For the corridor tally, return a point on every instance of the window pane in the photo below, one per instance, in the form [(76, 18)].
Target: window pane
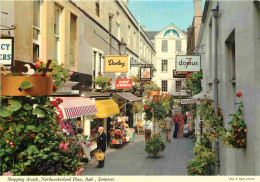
[(178, 85), (164, 45), (36, 13), (164, 86), (164, 65), (178, 45), (73, 40)]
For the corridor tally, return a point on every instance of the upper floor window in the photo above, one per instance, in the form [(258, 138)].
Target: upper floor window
[(164, 86), (36, 29), (57, 17), (73, 42), (164, 65), (178, 45), (164, 45), (97, 8), (178, 86)]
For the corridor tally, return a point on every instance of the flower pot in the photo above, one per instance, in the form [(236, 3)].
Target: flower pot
[(41, 85), (153, 93)]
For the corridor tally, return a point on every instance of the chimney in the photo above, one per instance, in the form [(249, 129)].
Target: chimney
[(197, 8)]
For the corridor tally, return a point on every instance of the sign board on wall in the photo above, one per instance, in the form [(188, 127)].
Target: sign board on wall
[(7, 51), (116, 64), (124, 84), (179, 74), (187, 101), (188, 63), (145, 73)]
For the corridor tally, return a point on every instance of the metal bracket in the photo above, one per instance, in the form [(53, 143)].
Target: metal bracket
[(135, 63)]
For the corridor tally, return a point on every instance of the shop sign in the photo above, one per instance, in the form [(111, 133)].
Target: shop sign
[(188, 63), (7, 51), (187, 101), (124, 84), (145, 73), (116, 64), (179, 74)]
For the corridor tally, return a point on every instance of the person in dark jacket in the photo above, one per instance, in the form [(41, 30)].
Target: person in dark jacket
[(101, 144), (176, 121)]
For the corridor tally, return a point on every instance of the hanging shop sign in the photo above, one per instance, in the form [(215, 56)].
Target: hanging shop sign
[(188, 63), (179, 74), (124, 84), (7, 51), (116, 64), (187, 101), (145, 73)]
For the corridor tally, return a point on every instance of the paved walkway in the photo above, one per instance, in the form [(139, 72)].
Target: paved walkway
[(131, 159)]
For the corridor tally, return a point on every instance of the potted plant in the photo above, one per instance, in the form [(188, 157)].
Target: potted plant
[(103, 82), (152, 88), (33, 79), (155, 145)]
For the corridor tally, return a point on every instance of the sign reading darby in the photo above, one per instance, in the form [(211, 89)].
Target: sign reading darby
[(188, 63), (7, 51), (124, 84), (116, 64)]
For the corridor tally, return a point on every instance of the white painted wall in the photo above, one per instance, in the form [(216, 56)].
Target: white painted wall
[(170, 56)]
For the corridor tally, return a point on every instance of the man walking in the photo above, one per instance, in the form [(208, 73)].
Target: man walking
[(101, 144), (148, 130), (168, 126)]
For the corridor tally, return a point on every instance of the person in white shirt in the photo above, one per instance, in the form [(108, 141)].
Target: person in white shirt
[(148, 127)]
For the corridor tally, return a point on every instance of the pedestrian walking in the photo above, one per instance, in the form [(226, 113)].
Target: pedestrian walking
[(148, 130), (101, 144), (176, 122), (181, 124), (168, 126)]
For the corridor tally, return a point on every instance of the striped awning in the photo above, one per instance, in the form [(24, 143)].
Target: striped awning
[(73, 107), (106, 108)]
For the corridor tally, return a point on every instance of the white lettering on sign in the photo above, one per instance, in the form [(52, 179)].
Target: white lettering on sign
[(188, 63), (6, 50), (187, 101)]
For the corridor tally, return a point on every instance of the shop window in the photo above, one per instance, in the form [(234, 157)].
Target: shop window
[(164, 86), (178, 85), (57, 20), (178, 46), (36, 29), (98, 8), (164, 65), (73, 41), (164, 45)]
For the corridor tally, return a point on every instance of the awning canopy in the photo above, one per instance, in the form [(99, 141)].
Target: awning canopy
[(106, 108), (128, 96), (73, 107)]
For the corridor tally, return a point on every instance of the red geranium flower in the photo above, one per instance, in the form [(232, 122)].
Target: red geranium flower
[(145, 107), (54, 88), (2, 35), (41, 62), (239, 94), (36, 66), (54, 103), (32, 135), (108, 81), (59, 100)]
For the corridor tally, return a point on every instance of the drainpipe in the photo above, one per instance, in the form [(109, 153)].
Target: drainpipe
[(216, 81)]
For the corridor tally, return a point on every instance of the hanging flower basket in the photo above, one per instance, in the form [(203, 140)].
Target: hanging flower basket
[(153, 93), (26, 85)]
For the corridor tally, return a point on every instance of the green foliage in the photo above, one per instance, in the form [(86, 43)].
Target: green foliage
[(136, 82), (236, 134), (204, 158), (137, 107), (150, 86), (155, 145), (155, 107), (26, 85), (193, 82), (103, 81), (30, 139), (61, 75)]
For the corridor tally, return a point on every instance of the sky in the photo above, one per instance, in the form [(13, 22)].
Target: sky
[(155, 15)]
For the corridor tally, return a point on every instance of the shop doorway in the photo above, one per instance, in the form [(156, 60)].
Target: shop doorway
[(129, 113)]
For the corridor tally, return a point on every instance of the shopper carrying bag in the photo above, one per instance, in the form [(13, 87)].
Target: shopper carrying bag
[(101, 145)]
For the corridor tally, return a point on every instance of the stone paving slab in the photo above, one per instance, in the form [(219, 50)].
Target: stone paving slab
[(131, 159)]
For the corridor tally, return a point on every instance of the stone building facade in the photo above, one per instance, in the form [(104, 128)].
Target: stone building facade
[(236, 30), (78, 34)]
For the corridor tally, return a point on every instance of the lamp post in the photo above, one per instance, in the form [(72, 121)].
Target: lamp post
[(122, 47)]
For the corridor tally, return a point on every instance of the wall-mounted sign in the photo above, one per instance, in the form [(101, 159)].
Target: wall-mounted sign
[(188, 63), (187, 101), (145, 73), (179, 74), (116, 64), (7, 51), (124, 84)]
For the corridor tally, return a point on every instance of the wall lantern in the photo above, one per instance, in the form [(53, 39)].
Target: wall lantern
[(122, 47)]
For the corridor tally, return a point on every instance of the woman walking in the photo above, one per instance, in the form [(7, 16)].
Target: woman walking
[(175, 119), (181, 124)]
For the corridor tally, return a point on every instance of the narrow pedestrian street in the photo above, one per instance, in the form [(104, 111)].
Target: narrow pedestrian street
[(131, 159)]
